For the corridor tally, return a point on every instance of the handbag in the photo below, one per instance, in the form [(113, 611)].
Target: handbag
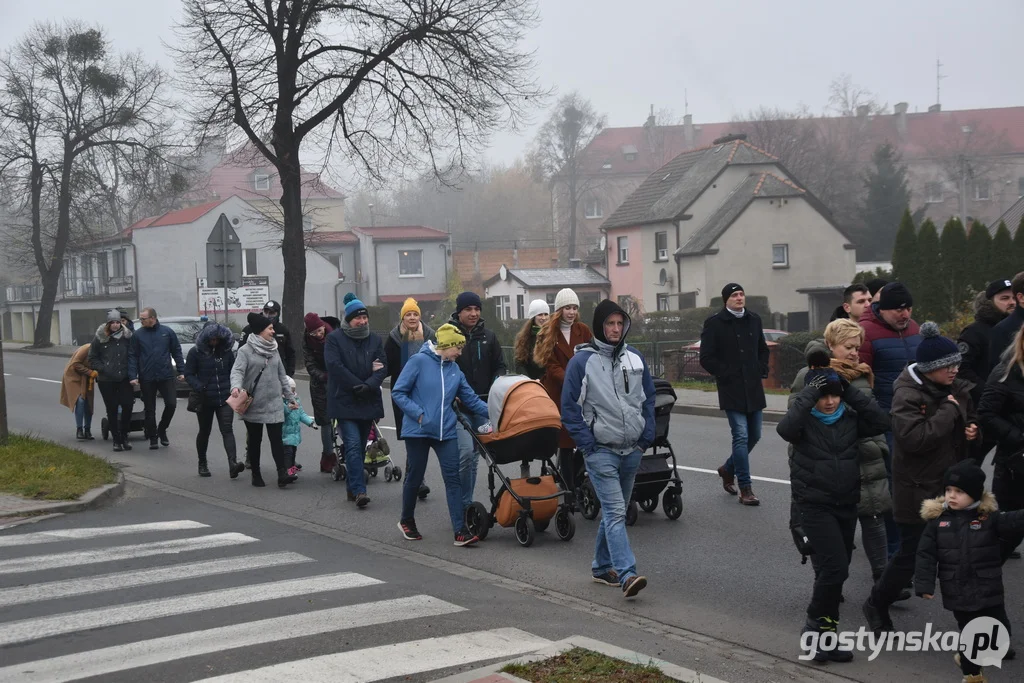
[(195, 401), (240, 403)]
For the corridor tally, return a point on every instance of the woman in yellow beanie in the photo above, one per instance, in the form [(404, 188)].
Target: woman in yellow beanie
[(403, 343)]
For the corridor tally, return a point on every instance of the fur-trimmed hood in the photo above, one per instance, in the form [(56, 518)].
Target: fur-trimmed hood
[(985, 311), (934, 507), (214, 330), (102, 336)]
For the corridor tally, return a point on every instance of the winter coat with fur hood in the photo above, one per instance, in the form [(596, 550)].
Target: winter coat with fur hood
[(928, 439), (963, 548), (108, 355), (208, 368), (974, 343)]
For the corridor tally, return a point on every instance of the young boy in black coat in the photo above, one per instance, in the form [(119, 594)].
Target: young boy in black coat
[(966, 518)]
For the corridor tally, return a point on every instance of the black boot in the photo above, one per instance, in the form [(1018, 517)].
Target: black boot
[(283, 478), (162, 434), (834, 653), (204, 471), (257, 478), (124, 442), (248, 464), (819, 655), (117, 442), (234, 467), (877, 617), (88, 435), (80, 434)]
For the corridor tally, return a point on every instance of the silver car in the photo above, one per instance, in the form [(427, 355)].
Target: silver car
[(187, 328)]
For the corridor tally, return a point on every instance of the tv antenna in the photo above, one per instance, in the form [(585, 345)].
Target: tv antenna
[(938, 82)]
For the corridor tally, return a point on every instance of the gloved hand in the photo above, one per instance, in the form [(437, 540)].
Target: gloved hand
[(361, 390), (818, 381), (485, 428), (94, 374), (315, 427)]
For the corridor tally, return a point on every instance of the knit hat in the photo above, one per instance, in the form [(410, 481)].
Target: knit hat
[(895, 295), (354, 307), (996, 287), (467, 299), (258, 322), (935, 351), (313, 322), (601, 313), (968, 477), (410, 305), (729, 290), (566, 297), (537, 307), (818, 362), (113, 315), (348, 297), (291, 384), (448, 336), (875, 285)]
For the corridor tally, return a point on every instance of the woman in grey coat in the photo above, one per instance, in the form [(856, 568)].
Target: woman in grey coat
[(258, 371)]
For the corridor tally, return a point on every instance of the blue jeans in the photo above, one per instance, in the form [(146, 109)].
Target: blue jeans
[(83, 416), (417, 451), (468, 459), (746, 432), (354, 434), (327, 438), (612, 477)]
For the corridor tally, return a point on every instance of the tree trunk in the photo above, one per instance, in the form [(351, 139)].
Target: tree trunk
[(3, 397), (573, 199), (51, 275), (293, 245)]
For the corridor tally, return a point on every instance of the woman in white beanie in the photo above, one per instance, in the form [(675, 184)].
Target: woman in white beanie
[(556, 344), (536, 317)]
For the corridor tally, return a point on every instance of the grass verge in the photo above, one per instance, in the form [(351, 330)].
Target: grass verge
[(582, 665), (44, 470)]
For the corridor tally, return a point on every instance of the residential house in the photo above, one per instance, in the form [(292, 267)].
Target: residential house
[(475, 264), (512, 289), (721, 213)]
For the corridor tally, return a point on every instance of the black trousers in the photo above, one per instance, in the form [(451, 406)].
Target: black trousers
[(225, 416), (168, 390), (963, 618), (900, 570), (254, 442), (569, 465), (118, 395), (830, 530), (1008, 488)]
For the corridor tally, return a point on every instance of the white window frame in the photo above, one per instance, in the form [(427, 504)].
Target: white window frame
[(407, 253), (784, 263), (622, 249), (520, 306), (930, 198), (245, 262), (338, 260), (120, 262), (592, 208), (662, 302), (660, 254), (261, 182), (503, 307), (980, 185)]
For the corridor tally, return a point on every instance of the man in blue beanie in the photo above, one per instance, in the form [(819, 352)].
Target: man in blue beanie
[(481, 361)]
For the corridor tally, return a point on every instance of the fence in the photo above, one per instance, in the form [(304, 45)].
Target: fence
[(75, 288)]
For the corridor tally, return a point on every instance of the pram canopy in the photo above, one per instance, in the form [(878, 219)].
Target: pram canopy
[(517, 404)]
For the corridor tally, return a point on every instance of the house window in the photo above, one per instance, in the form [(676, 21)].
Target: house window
[(630, 156), (933, 193), (550, 298), (661, 246), (120, 262), (1020, 187), (592, 208), (663, 302), (981, 192), (339, 262), (623, 243), (502, 307), (87, 267), (520, 307), (249, 262), (261, 181), (410, 263), (780, 256)]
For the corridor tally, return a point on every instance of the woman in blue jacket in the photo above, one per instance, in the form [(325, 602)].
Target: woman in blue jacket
[(425, 392), (208, 372)]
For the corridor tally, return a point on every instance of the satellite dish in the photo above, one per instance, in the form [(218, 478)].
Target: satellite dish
[(503, 272), (662, 277), (604, 242)]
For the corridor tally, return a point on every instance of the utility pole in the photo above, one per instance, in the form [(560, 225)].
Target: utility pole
[(938, 82)]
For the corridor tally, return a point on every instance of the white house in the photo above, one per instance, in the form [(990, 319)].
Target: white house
[(513, 289)]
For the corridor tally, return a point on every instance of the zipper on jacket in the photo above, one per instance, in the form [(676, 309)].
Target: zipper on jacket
[(440, 429)]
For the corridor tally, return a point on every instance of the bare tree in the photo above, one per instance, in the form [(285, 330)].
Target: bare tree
[(389, 82), (560, 153), (65, 95)]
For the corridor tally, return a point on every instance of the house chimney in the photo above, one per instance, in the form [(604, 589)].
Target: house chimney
[(934, 108), (862, 111), (575, 263), (649, 125), (688, 131), (900, 112)]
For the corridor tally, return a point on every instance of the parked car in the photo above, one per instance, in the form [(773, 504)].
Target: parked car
[(187, 328), (692, 369)]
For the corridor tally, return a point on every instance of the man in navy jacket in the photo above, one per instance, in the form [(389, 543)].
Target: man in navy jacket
[(152, 349)]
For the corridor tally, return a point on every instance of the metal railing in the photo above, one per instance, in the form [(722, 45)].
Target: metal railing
[(75, 288)]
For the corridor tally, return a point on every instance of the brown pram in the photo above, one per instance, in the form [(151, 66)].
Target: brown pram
[(527, 424)]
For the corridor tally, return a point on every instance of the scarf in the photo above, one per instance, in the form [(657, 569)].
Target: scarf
[(972, 506), (739, 313), (566, 329), (415, 335), (118, 334), (851, 371), (829, 419), (261, 346), (355, 332)]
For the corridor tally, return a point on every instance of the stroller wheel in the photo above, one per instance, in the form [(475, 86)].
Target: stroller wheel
[(478, 521), (632, 512), (649, 504), (525, 532), (589, 505), (373, 471), (565, 525), (340, 472), (387, 473), (541, 524), (672, 503), (396, 472)]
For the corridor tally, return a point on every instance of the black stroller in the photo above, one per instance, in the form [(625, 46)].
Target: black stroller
[(657, 473)]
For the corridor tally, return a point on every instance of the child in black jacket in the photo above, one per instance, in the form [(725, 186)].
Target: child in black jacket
[(961, 543)]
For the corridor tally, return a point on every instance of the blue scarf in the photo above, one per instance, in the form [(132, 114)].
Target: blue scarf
[(829, 419)]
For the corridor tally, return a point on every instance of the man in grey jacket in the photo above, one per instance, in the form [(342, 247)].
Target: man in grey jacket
[(608, 410)]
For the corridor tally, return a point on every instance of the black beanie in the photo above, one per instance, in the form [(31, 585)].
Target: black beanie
[(875, 285), (601, 313), (467, 299), (258, 323), (895, 295), (968, 477), (729, 290)]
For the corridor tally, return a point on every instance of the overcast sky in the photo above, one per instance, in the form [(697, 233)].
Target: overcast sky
[(628, 55)]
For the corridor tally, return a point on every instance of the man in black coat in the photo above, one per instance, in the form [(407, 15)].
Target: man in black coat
[(285, 347), (1004, 332), (733, 350)]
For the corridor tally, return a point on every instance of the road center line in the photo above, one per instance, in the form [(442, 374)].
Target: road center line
[(42, 379), (707, 471)]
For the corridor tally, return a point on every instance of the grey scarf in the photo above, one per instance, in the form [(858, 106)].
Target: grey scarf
[(355, 332), (262, 347)]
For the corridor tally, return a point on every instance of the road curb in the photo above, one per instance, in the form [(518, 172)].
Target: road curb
[(90, 499), (772, 416), (53, 352)]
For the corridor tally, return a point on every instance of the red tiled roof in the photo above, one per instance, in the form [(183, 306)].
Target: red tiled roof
[(400, 298), (403, 232), (340, 237), (179, 217)]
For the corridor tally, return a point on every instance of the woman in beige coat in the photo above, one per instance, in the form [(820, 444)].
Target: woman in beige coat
[(76, 391)]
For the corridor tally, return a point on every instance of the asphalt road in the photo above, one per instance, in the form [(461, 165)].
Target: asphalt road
[(723, 570)]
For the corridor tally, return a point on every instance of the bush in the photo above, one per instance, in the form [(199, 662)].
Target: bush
[(380, 317), (799, 340), (682, 325)]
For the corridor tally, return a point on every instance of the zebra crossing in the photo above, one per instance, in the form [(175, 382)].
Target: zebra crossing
[(135, 579)]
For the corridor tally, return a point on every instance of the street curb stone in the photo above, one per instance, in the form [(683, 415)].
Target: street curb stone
[(772, 416), (90, 499)]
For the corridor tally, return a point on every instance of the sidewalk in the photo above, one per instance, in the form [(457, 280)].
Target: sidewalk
[(705, 403), (16, 506), (59, 351)]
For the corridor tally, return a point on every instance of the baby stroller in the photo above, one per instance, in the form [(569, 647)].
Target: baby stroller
[(657, 470), (378, 456), (527, 427)]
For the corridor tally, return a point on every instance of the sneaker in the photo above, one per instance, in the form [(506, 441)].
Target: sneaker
[(409, 531), (465, 538), (297, 467), (633, 585), (153, 445), (362, 500), (608, 578), (163, 438), (293, 470)]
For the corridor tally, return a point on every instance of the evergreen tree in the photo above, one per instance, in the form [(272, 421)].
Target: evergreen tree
[(1002, 262), (1018, 248), (979, 256), (904, 252), (930, 291), (887, 197), (953, 244)]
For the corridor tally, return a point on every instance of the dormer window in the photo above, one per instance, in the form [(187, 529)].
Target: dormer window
[(629, 152), (630, 156), (261, 181), (607, 166)]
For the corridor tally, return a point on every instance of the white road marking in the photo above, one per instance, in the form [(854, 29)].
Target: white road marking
[(41, 379), (96, 532), (386, 427), (70, 622), (19, 595), (121, 552), (398, 659), (109, 660), (707, 471)]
